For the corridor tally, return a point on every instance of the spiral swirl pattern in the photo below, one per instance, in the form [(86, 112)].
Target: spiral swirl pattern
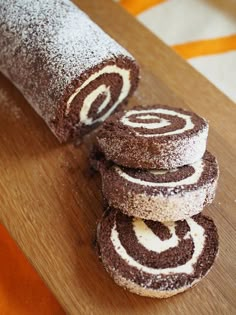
[(105, 108), (156, 122), (146, 237)]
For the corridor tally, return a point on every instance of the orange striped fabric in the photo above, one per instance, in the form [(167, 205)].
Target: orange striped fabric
[(206, 47), (189, 49), (137, 6), (203, 32)]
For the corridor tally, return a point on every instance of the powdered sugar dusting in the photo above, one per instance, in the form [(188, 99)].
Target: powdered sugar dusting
[(53, 43), (8, 105), (177, 207), (173, 154)]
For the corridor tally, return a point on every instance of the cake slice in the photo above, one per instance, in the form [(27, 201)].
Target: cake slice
[(156, 259)]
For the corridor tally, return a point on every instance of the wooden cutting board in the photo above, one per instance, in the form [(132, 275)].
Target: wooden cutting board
[(50, 201)]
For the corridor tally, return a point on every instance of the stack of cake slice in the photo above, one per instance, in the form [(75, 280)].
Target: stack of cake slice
[(156, 177)]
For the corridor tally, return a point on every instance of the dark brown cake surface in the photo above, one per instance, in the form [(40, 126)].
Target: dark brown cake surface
[(155, 255), (160, 121), (157, 136), (159, 195), (154, 182)]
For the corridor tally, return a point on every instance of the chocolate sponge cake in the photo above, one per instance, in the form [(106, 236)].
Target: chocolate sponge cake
[(159, 195), (72, 73), (156, 259), (154, 137)]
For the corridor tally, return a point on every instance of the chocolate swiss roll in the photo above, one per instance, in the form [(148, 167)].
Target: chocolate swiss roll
[(159, 195), (72, 73), (156, 259), (154, 137)]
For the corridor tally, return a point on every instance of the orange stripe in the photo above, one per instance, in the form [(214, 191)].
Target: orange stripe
[(138, 6), (206, 47)]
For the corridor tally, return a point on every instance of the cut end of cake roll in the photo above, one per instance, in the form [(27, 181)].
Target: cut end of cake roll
[(156, 259), (154, 137), (71, 72), (94, 96)]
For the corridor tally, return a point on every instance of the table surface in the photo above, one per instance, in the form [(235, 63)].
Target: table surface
[(50, 201)]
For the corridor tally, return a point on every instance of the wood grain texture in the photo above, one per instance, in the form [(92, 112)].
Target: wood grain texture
[(50, 201)]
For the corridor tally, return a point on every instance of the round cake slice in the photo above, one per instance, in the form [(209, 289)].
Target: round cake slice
[(156, 259), (154, 137), (159, 195)]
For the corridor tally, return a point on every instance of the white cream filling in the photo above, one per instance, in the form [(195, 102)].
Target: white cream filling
[(150, 241), (102, 89), (192, 179), (161, 123), (148, 113), (196, 233)]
